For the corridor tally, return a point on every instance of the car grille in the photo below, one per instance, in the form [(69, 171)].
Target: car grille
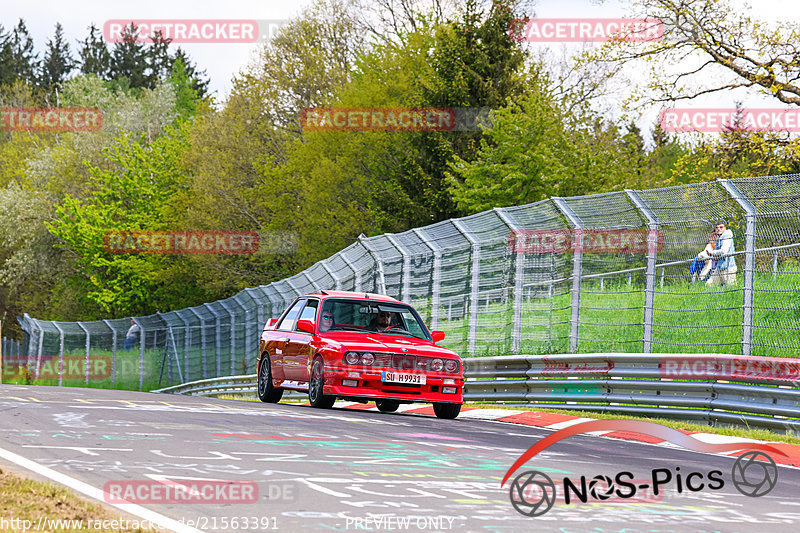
[(395, 361)]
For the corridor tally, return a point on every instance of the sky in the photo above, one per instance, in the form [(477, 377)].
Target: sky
[(223, 60)]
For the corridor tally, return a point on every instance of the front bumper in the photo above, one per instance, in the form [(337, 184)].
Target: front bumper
[(369, 385)]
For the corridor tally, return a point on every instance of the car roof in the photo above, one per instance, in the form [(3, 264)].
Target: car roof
[(359, 295)]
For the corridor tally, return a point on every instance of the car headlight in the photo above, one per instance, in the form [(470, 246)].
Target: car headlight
[(436, 365), (451, 365), (351, 358), (367, 358)]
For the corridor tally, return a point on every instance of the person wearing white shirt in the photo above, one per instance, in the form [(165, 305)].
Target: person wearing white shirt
[(724, 272)]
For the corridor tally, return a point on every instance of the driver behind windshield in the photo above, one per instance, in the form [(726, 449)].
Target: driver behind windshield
[(382, 322)]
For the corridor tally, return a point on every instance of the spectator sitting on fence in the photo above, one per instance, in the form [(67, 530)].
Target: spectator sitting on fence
[(704, 258), (130, 336), (724, 272)]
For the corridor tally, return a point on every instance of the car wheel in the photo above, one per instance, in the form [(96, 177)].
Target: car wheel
[(387, 406), (446, 410), (267, 393), (315, 387)]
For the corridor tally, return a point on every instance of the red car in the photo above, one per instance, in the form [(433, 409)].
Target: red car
[(358, 347)]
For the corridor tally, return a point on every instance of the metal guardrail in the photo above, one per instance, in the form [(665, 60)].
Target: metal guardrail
[(750, 392), (233, 385), (718, 389)]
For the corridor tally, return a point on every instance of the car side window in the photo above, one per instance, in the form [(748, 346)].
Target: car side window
[(309, 312), (289, 319)]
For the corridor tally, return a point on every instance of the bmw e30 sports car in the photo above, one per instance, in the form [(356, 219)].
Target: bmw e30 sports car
[(358, 347)]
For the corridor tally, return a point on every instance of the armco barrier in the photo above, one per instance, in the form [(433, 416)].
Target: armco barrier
[(759, 392)]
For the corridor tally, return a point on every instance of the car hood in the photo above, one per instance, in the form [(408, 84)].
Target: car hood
[(379, 342)]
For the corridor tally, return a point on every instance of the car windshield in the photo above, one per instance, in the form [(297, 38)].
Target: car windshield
[(372, 316)]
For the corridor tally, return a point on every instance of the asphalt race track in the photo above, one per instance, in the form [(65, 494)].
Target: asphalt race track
[(292, 468)]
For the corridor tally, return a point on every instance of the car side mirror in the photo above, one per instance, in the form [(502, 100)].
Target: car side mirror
[(305, 325), (437, 336), (271, 322)]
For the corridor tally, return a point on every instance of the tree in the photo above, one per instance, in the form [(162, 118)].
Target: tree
[(129, 60), (58, 61), (17, 58), (94, 55), (706, 38)]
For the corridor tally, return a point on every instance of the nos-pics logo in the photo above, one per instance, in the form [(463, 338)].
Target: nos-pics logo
[(533, 492)]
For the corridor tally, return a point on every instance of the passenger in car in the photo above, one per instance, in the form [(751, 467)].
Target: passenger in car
[(326, 321)]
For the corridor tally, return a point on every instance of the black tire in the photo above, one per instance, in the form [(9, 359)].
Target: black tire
[(315, 386), (267, 393), (387, 406), (447, 410)]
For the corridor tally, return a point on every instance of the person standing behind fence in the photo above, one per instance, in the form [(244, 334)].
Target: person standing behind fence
[(130, 336), (724, 272), (705, 257)]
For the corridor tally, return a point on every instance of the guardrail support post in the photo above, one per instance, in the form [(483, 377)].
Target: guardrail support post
[(650, 275), (749, 263), (474, 284), (577, 271)]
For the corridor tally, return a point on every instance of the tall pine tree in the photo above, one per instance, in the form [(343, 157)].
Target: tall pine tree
[(58, 61), (94, 55)]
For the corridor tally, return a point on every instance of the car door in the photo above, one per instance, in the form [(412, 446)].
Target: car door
[(276, 344), (298, 346)]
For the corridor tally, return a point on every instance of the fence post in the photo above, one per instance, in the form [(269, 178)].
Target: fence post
[(476, 267), (337, 281), (202, 340), (749, 263), (650, 276), (113, 352), (577, 271), (381, 289), (141, 351), (247, 332), (406, 285), (86, 365), (217, 343), (233, 334), (436, 276), (60, 354), (312, 281), (187, 341), (519, 274)]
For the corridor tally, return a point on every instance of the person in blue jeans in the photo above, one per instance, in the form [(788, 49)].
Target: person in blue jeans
[(724, 272), (130, 336)]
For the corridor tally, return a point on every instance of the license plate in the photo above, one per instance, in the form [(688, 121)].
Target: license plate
[(400, 377)]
